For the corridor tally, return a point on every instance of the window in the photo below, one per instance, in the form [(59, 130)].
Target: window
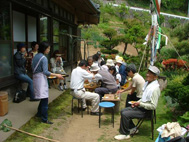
[(43, 28), (55, 35), (5, 40), (19, 30)]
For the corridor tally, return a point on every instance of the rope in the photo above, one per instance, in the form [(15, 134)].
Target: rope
[(142, 58)]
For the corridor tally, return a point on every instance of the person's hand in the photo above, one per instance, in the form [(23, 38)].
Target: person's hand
[(136, 104), (25, 54), (59, 76), (57, 58), (120, 91)]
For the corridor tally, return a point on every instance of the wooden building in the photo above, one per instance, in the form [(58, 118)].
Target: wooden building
[(41, 20)]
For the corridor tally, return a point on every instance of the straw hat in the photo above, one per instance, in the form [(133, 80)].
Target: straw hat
[(110, 62), (94, 67), (119, 61)]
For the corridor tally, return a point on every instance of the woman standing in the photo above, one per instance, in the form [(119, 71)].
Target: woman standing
[(40, 84)]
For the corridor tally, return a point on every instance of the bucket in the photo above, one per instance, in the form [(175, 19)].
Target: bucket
[(3, 103)]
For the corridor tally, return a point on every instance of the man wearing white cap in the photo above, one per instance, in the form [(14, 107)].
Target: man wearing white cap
[(78, 76), (139, 109), (108, 81)]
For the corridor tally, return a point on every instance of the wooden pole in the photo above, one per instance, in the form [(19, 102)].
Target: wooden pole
[(31, 134)]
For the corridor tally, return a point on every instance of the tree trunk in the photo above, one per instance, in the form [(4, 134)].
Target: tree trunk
[(125, 49)]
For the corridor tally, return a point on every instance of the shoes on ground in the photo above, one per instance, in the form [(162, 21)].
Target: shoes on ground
[(84, 109), (122, 137), (65, 87), (96, 113), (34, 100), (61, 87), (134, 131), (47, 122)]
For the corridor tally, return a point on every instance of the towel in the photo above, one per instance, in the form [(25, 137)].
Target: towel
[(148, 90)]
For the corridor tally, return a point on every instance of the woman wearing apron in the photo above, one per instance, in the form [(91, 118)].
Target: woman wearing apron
[(40, 84)]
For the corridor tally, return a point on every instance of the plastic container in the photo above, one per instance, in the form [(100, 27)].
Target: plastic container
[(3, 103)]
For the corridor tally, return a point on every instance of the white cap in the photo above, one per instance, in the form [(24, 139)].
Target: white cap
[(154, 69), (110, 62), (94, 67)]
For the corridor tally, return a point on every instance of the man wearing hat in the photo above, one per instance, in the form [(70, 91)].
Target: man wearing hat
[(136, 85), (139, 109), (122, 71), (108, 82), (78, 76)]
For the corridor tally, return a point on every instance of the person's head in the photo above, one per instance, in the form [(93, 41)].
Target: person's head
[(21, 47), (44, 47), (131, 70), (152, 74), (90, 60), (110, 63), (102, 63), (34, 46), (95, 57), (56, 53), (83, 64), (112, 70), (98, 53), (119, 62), (94, 68)]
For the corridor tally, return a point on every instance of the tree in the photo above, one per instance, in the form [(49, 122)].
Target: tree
[(133, 33), (122, 10), (173, 23), (112, 40)]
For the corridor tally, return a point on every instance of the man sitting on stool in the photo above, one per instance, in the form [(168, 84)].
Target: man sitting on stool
[(149, 101), (78, 76)]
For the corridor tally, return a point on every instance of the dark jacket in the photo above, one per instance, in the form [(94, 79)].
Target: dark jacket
[(19, 63), (123, 74)]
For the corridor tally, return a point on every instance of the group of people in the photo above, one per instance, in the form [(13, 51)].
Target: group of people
[(38, 87), (112, 76)]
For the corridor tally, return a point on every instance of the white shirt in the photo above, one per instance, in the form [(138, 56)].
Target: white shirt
[(138, 82), (78, 76), (118, 77)]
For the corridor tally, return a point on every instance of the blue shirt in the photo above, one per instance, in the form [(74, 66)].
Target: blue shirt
[(43, 65)]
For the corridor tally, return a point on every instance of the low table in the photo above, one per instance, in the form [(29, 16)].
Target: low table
[(91, 87), (112, 98)]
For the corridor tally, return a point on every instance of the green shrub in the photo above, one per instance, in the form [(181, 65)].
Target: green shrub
[(106, 51), (184, 119), (178, 90)]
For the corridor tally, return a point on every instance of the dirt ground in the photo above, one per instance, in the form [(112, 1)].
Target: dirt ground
[(77, 129)]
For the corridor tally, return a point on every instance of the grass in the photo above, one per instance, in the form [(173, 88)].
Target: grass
[(59, 107), (163, 115)]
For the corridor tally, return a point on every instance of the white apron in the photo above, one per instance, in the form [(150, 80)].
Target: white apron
[(40, 84)]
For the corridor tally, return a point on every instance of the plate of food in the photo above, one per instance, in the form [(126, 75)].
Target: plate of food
[(132, 102), (52, 76)]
